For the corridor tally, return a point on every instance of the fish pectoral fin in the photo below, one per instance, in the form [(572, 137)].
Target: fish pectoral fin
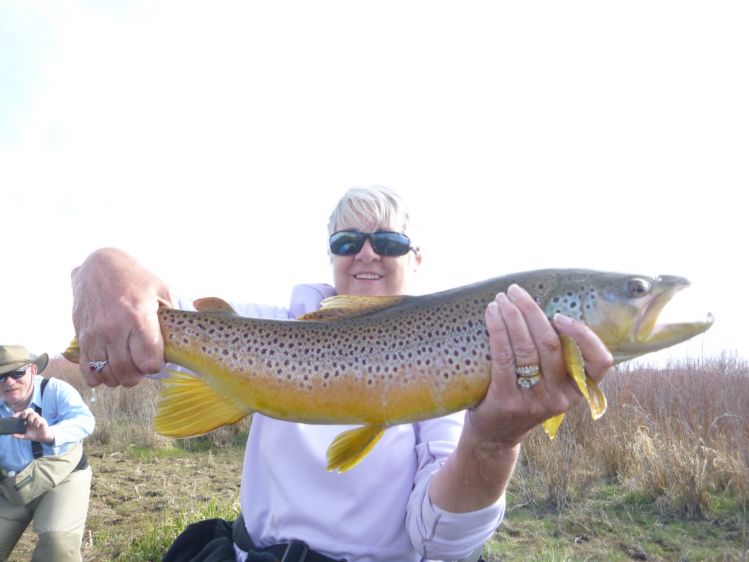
[(73, 352), (189, 406), (350, 306), (350, 447), (596, 399), (573, 359), (552, 425), (213, 305)]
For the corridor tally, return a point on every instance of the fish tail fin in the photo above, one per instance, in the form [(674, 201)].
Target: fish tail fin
[(189, 406), (351, 446), (73, 352)]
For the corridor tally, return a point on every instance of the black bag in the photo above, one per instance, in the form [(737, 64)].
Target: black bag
[(209, 541)]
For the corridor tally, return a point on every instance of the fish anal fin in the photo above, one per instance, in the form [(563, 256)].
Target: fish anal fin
[(189, 406), (350, 447), (350, 306), (573, 359), (214, 305)]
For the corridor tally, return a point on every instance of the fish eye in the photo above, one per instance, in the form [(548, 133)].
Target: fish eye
[(638, 287)]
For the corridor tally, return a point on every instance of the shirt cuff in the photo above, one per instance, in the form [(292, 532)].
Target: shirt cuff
[(456, 534)]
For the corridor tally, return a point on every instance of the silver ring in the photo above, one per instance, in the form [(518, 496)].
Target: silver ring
[(97, 366), (528, 371), (527, 382)]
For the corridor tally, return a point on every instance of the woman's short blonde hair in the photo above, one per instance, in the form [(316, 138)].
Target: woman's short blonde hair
[(376, 202)]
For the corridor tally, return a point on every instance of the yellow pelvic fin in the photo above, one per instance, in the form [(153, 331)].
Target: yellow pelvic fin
[(189, 406), (214, 305), (73, 352), (350, 447), (350, 306)]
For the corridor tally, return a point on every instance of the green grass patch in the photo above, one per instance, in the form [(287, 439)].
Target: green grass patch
[(616, 525)]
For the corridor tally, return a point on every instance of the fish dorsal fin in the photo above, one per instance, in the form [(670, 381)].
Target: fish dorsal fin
[(350, 306), (213, 305)]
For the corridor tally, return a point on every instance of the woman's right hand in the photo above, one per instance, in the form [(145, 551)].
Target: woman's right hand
[(115, 300)]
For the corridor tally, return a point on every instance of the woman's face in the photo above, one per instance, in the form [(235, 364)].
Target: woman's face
[(367, 273)]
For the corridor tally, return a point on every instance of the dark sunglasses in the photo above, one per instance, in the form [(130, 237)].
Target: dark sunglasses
[(15, 375), (384, 243)]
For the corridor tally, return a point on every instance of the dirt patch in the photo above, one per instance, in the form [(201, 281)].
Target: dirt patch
[(135, 490)]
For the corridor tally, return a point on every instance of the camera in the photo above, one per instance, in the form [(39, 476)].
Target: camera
[(9, 426)]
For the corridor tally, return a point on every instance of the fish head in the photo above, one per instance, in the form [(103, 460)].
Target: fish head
[(623, 310)]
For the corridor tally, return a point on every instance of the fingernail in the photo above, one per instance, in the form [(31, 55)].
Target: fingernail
[(501, 297), (516, 290), (562, 319)]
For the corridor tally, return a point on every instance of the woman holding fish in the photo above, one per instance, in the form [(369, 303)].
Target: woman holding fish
[(430, 490)]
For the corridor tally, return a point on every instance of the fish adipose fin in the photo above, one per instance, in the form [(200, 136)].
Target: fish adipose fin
[(573, 359), (188, 406), (350, 447), (350, 306)]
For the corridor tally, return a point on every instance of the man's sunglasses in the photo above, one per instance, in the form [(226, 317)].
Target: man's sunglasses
[(384, 243), (15, 375)]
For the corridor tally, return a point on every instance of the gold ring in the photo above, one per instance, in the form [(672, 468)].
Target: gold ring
[(527, 382), (528, 371)]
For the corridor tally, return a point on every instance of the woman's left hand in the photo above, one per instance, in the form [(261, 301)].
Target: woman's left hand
[(521, 335)]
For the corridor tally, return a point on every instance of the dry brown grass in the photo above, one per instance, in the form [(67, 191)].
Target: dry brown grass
[(676, 434), (676, 438), (124, 416)]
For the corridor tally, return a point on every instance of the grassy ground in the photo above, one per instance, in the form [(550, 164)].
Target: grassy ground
[(663, 476), (141, 499), (615, 526)]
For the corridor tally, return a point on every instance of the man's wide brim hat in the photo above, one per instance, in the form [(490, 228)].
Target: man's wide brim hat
[(14, 357)]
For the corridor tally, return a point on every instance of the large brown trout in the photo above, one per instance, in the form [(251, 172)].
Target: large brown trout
[(382, 361)]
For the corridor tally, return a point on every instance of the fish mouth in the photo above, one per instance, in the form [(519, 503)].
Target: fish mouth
[(649, 335)]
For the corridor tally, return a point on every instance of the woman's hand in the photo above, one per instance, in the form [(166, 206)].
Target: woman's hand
[(521, 335), (115, 301), (478, 471)]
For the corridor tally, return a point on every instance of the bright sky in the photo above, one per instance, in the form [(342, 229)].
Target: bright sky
[(211, 141)]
